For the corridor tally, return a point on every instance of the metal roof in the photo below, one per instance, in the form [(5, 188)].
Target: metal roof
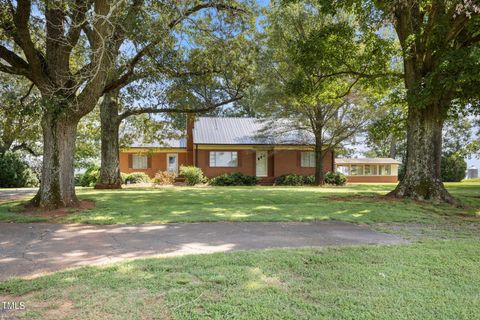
[(166, 143), (230, 130), (366, 161)]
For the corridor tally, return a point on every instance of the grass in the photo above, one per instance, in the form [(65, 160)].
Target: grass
[(429, 280), (353, 203), (432, 278)]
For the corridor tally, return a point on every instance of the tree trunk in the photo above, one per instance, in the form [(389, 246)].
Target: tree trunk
[(110, 121), (393, 147), (57, 186), (423, 179), (319, 175)]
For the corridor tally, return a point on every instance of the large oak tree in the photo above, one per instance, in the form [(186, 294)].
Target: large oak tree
[(440, 42), (39, 40)]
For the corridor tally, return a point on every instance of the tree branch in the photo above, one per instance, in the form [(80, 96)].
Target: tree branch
[(132, 112), (17, 64), (24, 146), (130, 66)]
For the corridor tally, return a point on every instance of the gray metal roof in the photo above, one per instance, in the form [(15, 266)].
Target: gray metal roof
[(366, 161), (167, 143), (229, 130)]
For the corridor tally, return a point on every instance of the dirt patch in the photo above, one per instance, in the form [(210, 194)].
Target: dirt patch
[(57, 213)]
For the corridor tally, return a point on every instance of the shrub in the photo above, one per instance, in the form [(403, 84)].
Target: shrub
[(90, 177), (164, 178), (137, 177), (335, 178), (453, 168), (310, 180), (291, 179), (15, 173), (234, 179), (193, 175), (124, 177)]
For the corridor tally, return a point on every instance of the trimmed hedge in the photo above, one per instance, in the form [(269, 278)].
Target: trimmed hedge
[(335, 178), (293, 179), (192, 174), (137, 177), (234, 179)]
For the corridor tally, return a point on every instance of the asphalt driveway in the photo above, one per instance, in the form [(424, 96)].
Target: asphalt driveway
[(13, 193), (31, 249)]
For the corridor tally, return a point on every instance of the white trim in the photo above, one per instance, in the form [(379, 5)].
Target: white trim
[(264, 155)]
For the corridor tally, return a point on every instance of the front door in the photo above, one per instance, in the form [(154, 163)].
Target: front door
[(262, 163), (172, 162)]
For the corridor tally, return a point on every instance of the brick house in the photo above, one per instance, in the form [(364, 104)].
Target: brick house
[(220, 145), (225, 145)]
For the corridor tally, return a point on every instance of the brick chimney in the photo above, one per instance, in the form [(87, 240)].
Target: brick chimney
[(190, 151)]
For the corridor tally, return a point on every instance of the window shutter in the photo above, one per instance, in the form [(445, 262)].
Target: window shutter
[(149, 161), (130, 161)]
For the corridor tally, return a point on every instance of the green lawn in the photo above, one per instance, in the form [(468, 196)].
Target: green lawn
[(359, 203), (429, 280)]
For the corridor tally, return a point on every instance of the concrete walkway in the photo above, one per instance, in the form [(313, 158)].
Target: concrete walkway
[(30, 249)]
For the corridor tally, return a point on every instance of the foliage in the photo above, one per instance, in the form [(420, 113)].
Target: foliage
[(14, 172), (291, 179), (90, 177), (137, 177), (320, 73), (233, 179), (453, 168), (459, 136), (192, 174), (87, 145), (309, 180), (335, 178), (386, 134), (123, 177), (19, 114), (164, 178)]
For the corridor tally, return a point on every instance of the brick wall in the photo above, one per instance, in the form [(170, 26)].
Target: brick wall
[(246, 163), (289, 161), (280, 162), (158, 162)]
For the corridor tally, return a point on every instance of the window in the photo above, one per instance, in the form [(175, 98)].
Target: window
[(308, 159), (223, 159), (370, 170), (343, 169), (356, 170), (384, 170), (139, 161)]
